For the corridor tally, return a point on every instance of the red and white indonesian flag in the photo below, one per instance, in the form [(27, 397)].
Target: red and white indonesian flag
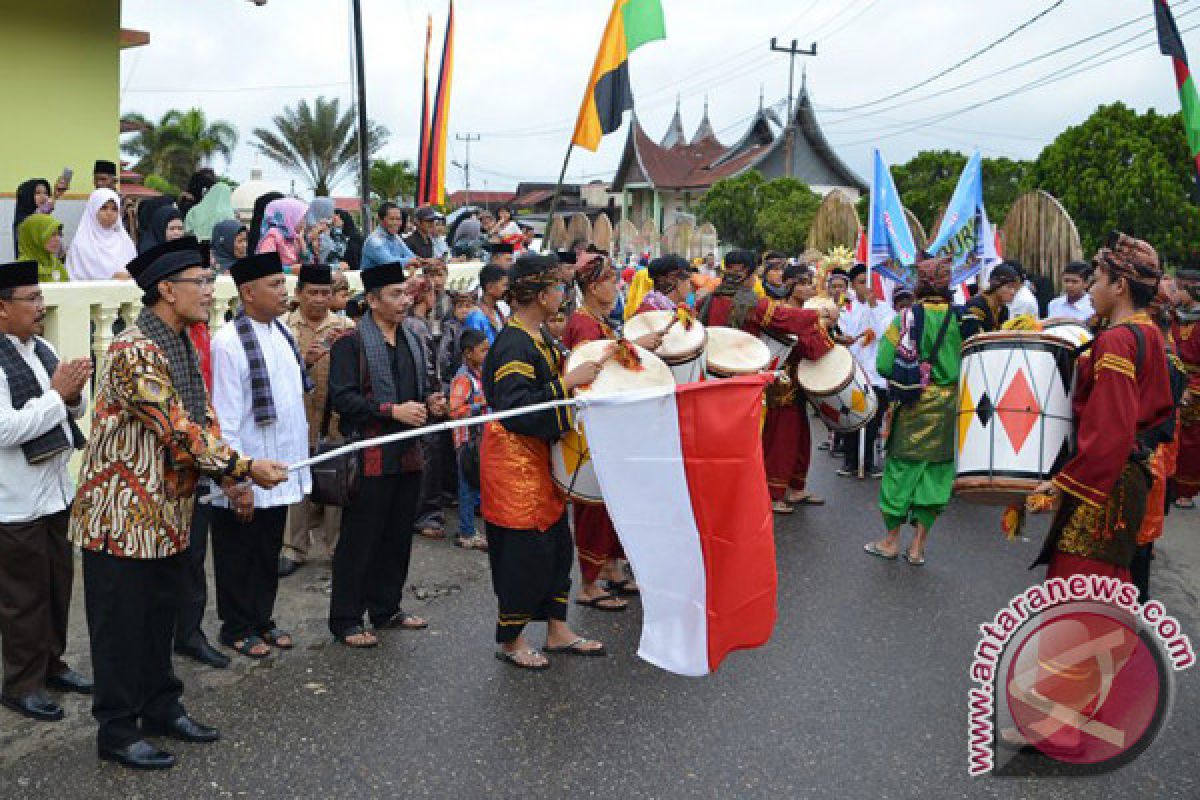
[(681, 470)]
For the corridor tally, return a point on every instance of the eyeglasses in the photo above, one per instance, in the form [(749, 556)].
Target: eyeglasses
[(211, 280)]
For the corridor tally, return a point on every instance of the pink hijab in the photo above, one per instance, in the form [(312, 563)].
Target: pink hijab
[(284, 215)]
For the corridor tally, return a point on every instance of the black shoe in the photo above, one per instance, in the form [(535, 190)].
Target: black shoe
[(200, 650), (69, 681), (35, 706), (139, 755), (185, 729), (287, 566)]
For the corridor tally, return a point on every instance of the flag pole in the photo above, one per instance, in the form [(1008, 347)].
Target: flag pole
[(562, 174)]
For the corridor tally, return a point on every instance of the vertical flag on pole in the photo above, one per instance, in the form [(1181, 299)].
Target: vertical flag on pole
[(431, 169), (890, 248), (423, 149), (609, 94), (966, 234), (1171, 44)]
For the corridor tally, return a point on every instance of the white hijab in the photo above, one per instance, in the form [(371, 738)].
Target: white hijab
[(97, 252)]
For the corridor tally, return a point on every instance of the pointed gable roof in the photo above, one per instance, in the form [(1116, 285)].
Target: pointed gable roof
[(812, 158), (674, 136), (705, 129)]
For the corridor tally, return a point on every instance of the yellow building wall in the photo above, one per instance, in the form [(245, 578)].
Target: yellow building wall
[(60, 83)]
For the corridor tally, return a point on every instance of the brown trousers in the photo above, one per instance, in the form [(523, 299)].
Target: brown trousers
[(36, 572), (308, 524)]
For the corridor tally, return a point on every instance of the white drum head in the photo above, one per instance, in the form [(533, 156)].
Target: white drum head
[(826, 375), (680, 344), (1076, 335), (734, 352), (614, 378)]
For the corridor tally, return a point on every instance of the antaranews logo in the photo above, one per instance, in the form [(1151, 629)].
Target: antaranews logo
[(1073, 675)]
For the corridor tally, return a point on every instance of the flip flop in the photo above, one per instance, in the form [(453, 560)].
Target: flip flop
[(511, 659), (594, 603), (916, 562), (873, 549), (574, 649), (622, 588), (356, 631), (273, 636), (402, 621), (245, 647), (780, 507), (810, 500)]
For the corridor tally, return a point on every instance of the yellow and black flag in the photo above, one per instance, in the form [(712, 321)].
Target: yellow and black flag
[(609, 95)]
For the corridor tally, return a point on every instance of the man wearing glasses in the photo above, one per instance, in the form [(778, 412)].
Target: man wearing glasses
[(40, 399), (154, 434)]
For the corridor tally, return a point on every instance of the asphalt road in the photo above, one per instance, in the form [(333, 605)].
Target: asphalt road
[(860, 694)]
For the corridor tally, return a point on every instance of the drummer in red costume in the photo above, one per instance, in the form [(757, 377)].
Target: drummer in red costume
[(1122, 392), (735, 304), (787, 443), (1186, 335), (595, 537)]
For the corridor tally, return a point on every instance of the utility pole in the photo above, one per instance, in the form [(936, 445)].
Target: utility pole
[(468, 138), (360, 76), (792, 51)]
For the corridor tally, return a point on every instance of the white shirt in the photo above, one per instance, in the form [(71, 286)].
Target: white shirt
[(1024, 302), (1080, 310), (29, 491), (284, 440), (858, 318)]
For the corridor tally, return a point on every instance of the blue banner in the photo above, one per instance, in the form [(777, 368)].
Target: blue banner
[(965, 233), (892, 252)]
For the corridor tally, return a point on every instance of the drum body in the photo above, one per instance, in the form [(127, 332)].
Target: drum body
[(779, 345), (838, 388), (571, 465), (731, 352), (682, 348), (1013, 422)]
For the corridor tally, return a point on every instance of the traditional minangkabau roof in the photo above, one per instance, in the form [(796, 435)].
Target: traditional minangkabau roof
[(675, 164)]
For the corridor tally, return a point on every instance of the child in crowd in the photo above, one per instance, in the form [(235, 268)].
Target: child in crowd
[(467, 400), (449, 357)]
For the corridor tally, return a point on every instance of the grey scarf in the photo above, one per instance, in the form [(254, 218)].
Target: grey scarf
[(379, 364), (23, 386), (183, 362)]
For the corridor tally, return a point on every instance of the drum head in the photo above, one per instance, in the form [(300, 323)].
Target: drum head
[(827, 375), (1071, 332), (614, 378), (734, 352), (681, 343)]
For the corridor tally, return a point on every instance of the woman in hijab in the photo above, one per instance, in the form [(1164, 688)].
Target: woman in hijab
[(145, 220), (216, 206), (318, 222), (230, 241), (256, 220), (283, 231), (39, 238), (165, 226), (33, 197), (345, 234), (199, 184), (101, 247)]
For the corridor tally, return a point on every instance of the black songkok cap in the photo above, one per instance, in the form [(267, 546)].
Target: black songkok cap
[(104, 168), (253, 267), (383, 275), (316, 275), (668, 265), (18, 273), (166, 259), (499, 247), (532, 266)]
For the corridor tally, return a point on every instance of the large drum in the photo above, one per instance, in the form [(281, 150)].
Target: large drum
[(1013, 424), (570, 463), (839, 389), (682, 348), (779, 345), (1068, 330), (731, 352)]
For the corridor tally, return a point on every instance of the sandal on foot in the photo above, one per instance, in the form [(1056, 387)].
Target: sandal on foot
[(344, 638), (246, 647), (403, 621), (625, 588), (597, 603), (276, 636), (578, 648), (875, 550), (513, 659), (809, 500), (431, 533), (780, 507), (918, 561)]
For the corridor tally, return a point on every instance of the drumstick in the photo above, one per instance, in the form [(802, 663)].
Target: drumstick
[(671, 324)]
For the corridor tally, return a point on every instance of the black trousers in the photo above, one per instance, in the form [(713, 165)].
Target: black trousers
[(429, 512), (131, 608), (871, 431), (35, 595), (193, 590), (1139, 570), (531, 575), (370, 562), (246, 569)]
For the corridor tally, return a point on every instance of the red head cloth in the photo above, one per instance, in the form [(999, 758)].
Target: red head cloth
[(934, 274)]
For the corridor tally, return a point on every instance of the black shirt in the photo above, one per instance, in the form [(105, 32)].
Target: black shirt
[(360, 416)]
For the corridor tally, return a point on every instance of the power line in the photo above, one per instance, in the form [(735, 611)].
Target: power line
[(830, 34), (960, 63)]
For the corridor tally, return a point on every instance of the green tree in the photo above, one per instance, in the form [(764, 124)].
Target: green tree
[(1127, 171), (731, 205), (785, 213), (319, 142), (178, 144), (393, 180), (927, 180)]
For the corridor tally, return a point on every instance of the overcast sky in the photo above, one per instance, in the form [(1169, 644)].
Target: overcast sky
[(521, 67)]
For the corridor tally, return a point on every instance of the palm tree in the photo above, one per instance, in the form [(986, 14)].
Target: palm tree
[(178, 144), (393, 180), (319, 142)]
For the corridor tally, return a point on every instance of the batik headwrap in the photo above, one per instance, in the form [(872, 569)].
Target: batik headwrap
[(933, 276), (1189, 281), (1132, 259), (594, 271)]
